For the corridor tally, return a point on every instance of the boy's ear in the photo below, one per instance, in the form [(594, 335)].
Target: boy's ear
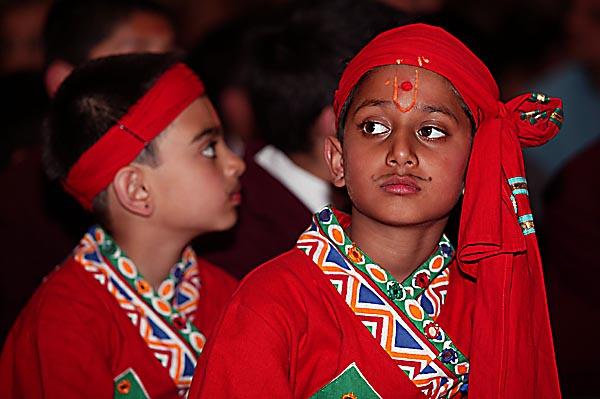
[(335, 160), (131, 191), (56, 73)]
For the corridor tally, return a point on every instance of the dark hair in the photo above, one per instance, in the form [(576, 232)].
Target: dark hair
[(89, 102), (74, 27), (218, 57), (293, 66), (291, 77)]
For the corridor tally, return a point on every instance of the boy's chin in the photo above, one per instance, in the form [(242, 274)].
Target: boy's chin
[(224, 223)]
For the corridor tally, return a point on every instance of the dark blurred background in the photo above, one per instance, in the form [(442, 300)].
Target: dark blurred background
[(550, 46)]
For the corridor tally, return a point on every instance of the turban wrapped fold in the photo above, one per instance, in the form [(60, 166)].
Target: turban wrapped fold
[(512, 353)]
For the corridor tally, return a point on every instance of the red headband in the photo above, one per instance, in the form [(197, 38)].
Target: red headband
[(173, 92), (511, 351)]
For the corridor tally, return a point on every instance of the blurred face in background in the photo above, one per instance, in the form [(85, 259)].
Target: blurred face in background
[(141, 32), (21, 37)]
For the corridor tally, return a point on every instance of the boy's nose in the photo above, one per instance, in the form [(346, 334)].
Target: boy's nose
[(235, 165), (401, 151)]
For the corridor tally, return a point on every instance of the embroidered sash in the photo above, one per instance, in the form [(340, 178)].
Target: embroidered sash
[(163, 317), (400, 316)]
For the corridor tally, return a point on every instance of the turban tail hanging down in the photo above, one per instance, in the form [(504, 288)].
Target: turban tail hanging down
[(512, 352)]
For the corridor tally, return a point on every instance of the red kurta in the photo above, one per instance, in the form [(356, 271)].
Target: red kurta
[(73, 339), (288, 333)]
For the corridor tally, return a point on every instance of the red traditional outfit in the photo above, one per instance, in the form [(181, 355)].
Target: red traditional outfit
[(300, 319), (474, 321), (96, 328)]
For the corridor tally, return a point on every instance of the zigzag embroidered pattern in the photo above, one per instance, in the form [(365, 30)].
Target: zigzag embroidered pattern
[(187, 292), (406, 346), (168, 347)]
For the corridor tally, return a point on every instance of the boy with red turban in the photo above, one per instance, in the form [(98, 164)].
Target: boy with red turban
[(379, 304), (134, 139)]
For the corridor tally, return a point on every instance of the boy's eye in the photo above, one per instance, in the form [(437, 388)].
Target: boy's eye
[(431, 132), (374, 128), (210, 150)]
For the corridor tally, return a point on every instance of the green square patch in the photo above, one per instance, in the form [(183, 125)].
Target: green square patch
[(350, 384), (129, 386)]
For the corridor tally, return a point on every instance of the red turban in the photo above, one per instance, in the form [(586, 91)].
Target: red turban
[(511, 353), (173, 92)]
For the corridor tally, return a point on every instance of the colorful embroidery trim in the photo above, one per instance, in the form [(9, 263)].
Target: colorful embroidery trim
[(163, 317), (519, 187), (401, 316)]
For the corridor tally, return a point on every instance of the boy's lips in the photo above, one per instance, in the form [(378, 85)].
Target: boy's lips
[(235, 195), (400, 185)]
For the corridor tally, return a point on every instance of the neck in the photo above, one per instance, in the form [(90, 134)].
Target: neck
[(398, 249), (153, 252), (313, 162)]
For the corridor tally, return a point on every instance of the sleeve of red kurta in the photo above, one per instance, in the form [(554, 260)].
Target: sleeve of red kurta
[(252, 364), (56, 350), (248, 355), (215, 293)]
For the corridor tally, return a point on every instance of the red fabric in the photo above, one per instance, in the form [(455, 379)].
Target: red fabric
[(73, 339), (166, 99), (299, 334), (512, 349)]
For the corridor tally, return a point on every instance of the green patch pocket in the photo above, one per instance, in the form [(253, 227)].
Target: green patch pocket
[(350, 384), (129, 386)]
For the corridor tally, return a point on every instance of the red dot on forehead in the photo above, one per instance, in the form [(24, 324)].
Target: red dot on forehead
[(406, 85)]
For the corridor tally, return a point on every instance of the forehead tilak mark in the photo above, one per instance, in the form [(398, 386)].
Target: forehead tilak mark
[(405, 86)]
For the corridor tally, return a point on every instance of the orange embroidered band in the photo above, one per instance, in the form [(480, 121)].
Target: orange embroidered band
[(173, 92)]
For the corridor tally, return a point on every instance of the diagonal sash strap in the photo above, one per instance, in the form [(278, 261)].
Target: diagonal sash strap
[(162, 317), (400, 316)]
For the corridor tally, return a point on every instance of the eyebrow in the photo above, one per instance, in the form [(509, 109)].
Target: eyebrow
[(427, 108), (209, 131)]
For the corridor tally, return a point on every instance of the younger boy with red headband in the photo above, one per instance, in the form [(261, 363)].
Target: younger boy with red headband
[(134, 139), (379, 304)]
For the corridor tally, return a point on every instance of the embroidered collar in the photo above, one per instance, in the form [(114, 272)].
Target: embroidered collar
[(164, 316), (412, 287), (177, 308), (406, 330)]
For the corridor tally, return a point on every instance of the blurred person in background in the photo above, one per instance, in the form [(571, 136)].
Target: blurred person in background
[(77, 31), (570, 232)]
